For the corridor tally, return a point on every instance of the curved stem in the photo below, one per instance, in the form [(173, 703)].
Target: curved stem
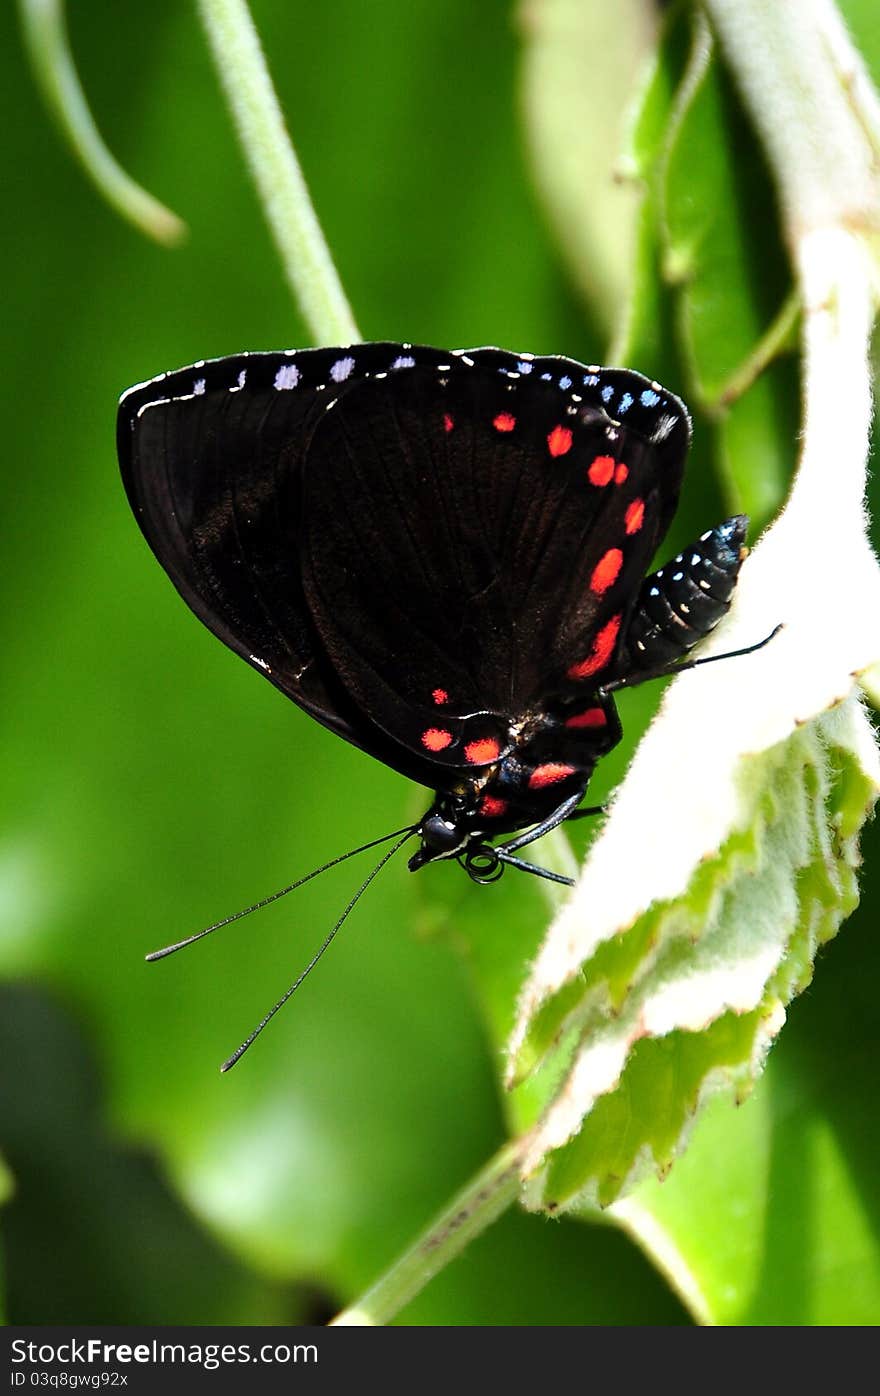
[(814, 109), (45, 34), (474, 1209), (245, 79), (813, 104)]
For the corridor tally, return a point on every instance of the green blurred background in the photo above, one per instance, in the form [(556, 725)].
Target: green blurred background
[(152, 782)]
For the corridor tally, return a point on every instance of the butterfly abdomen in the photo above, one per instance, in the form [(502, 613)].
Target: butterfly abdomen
[(679, 604)]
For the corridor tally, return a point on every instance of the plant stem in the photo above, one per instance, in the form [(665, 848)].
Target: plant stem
[(45, 34), (308, 265), (814, 109), (812, 103), (774, 339), (480, 1203)]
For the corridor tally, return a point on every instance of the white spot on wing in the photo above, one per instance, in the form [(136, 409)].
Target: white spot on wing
[(287, 376), (198, 387), (404, 361), (342, 369)]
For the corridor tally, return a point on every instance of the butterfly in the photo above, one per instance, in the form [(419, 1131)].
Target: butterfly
[(440, 555)]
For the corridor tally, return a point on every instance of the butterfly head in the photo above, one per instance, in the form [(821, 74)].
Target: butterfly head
[(445, 831)]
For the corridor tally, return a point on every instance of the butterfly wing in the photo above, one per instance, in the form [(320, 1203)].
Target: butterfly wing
[(474, 537), (211, 460), (412, 545)]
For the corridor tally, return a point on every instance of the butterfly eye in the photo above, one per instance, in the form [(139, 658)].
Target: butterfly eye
[(440, 835)]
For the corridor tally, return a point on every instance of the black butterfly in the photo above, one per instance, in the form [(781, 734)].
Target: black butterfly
[(440, 555)]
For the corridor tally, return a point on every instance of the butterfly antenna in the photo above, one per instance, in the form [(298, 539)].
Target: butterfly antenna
[(275, 896), (240, 1051)]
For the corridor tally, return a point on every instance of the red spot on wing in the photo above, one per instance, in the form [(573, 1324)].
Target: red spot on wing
[(634, 516), (606, 571), (601, 652), (440, 696), (620, 474), (448, 423), (493, 807), (601, 470), (479, 752), (549, 774), (559, 441), (590, 717), (436, 739), (504, 422)]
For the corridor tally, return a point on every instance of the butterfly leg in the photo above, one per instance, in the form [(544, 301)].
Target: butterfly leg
[(589, 812), (513, 862), (485, 864), (546, 826)]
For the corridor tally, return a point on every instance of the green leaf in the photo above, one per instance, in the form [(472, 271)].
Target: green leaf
[(689, 998), (770, 1216)]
